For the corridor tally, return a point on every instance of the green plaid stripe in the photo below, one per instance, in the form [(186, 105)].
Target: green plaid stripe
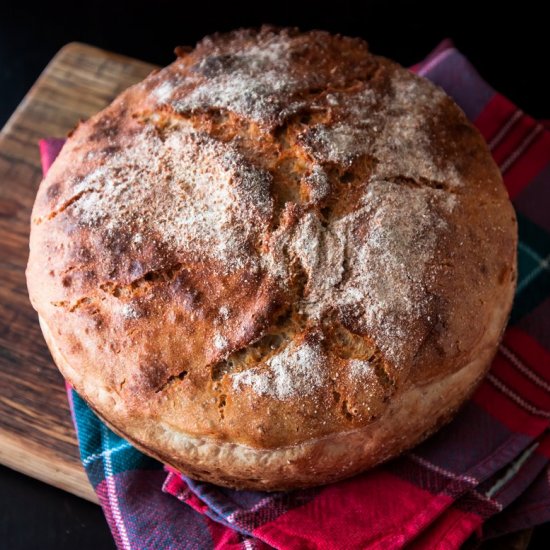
[(533, 268)]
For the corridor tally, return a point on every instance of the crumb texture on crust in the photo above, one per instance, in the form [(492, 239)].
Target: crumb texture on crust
[(269, 242)]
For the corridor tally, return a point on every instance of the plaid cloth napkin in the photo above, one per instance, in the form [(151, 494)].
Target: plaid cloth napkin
[(486, 473)]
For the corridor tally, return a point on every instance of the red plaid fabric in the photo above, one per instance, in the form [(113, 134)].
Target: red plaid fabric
[(486, 473)]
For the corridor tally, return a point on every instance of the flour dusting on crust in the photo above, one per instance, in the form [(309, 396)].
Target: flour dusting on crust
[(386, 245), (188, 190), (296, 371), (254, 82), (360, 370)]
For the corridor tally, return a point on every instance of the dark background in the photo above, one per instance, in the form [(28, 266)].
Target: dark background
[(508, 43)]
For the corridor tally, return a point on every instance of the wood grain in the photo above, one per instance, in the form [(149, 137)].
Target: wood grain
[(36, 434)]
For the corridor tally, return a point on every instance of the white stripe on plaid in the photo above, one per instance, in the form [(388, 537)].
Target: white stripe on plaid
[(435, 61), (447, 473), (543, 263), (522, 147), (89, 459), (515, 360), (501, 134), (111, 491), (516, 398), (264, 502), (472, 481)]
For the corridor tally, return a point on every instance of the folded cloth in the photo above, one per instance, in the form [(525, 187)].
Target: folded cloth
[(486, 473)]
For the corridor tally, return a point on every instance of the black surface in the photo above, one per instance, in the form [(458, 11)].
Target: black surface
[(36, 515), (509, 49)]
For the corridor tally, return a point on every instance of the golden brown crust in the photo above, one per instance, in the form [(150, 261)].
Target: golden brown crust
[(273, 242)]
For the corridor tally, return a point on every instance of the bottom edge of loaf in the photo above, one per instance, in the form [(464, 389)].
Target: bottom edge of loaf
[(410, 418)]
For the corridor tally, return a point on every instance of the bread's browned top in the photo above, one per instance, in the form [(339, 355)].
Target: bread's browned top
[(268, 239)]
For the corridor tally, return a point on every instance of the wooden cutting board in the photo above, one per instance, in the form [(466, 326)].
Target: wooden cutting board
[(36, 433)]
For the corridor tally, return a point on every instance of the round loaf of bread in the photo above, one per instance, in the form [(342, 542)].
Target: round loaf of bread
[(275, 263)]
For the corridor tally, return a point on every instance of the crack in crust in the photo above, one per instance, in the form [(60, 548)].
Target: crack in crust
[(63, 207), (72, 306), (163, 274), (119, 290), (180, 376), (423, 182)]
